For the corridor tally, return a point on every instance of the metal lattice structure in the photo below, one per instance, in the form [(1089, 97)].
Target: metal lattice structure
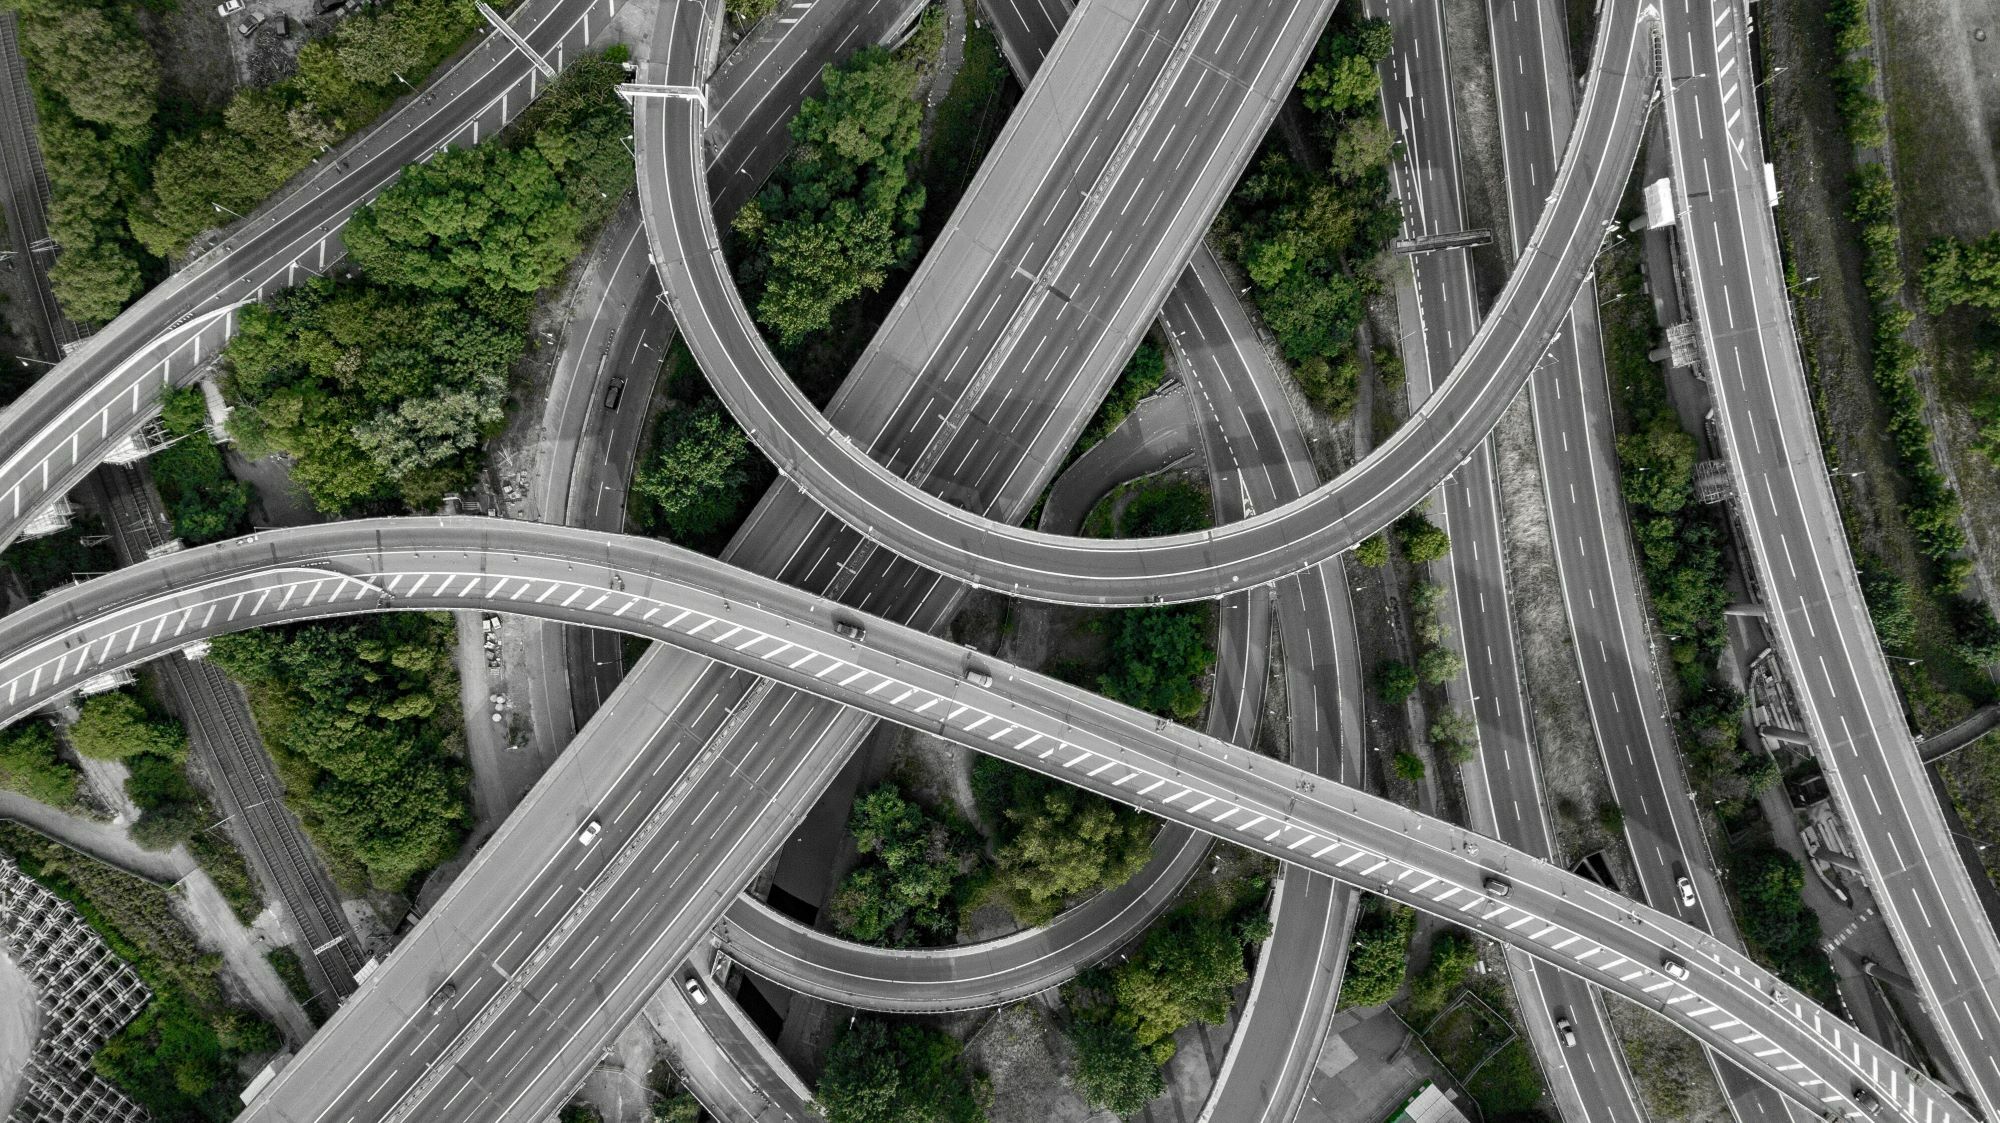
[(86, 994)]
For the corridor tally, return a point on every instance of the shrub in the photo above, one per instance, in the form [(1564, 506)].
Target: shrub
[(1455, 736), (1379, 956), (881, 1073), (903, 892), (1407, 766), (1422, 540), (1373, 551), (1055, 841), (699, 473), (115, 726), (1112, 1070), (1159, 658), (1439, 665), (1395, 681), (29, 765)]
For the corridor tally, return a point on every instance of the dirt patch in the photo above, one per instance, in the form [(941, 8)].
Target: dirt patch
[(194, 49), (1669, 1067), (1566, 742), (1024, 1056)]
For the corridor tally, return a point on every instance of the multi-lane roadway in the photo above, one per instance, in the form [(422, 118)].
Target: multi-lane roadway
[(522, 1014)]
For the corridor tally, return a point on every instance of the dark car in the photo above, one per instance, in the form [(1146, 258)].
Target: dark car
[(614, 393)]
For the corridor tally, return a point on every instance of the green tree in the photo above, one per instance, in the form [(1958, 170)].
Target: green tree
[(1407, 766), (1158, 657), (485, 216), (1056, 841), (1379, 955), (843, 209), (698, 473), (1395, 681), (1658, 467), (881, 1073), (1112, 1070), (1422, 540), (904, 893), (1439, 665), (115, 725), (96, 62), (1959, 272), (1183, 973), (1889, 603), (29, 765), (1455, 736), (1373, 551)]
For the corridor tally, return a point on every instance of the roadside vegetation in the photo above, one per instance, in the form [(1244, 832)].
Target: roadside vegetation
[(205, 502), (121, 726), (1780, 929), (44, 563), (1155, 659), (383, 388), (699, 476), (916, 871), (842, 212), (1306, 236), (883, 1072), (1468, 1021), (31, 764), (362, 717), (1379, 957), (1054, 842), (136, 176), (1121, 1020), (181, 1057)]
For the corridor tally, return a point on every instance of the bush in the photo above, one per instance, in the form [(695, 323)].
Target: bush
[(29, 765), (1163, 507), (1889, 603), (1452, 956), (1378, 958), (1439, 665), (1142, 375), (699, 474), (1303, 237), (881, 1073), (1781, 930), (1407, 766), (205, 502), (1184, 972), (1455, 736), (116, 725), (1395, 681), (45, 563), (843, 210)]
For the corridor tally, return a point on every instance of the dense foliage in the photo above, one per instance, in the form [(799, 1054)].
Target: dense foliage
[(1304, 236), (1422, 540), (117, 726), (363, 717), (384, 388), (1055, 841), (1679, 544), (914, 864), (1159, 659), (1184, 971), (31, 765), (1142, 375), (129, 193), (375, 393), (1112, 1070), (843, 209), (1379, 956), (882, 1073), (1780, 928), (699, 476), (181, 1057), (204, 501), (52, 560), (1853, 76)]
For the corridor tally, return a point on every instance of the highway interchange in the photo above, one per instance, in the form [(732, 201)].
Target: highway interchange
[(889, 405)]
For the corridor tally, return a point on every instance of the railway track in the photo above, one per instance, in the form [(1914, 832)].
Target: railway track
[(26, 179), (226, 742)]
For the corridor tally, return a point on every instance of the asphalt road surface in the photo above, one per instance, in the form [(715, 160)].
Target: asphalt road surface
[(551, 893)]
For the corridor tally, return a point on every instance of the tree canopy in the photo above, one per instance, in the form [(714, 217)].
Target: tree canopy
[(904, 892), (1055, 841), (698, 476), (843, 210), (29, 764), (876, 1072), (1379, 957), (364, 716), (116, 725), (1112, 1070), (487, 216)]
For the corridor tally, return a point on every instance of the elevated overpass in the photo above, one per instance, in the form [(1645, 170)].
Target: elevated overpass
[(900, 674)]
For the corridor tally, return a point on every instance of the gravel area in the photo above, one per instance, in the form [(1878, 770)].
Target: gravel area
[(1670, 1068)]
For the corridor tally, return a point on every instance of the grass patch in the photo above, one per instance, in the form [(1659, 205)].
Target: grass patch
[(292, 972)]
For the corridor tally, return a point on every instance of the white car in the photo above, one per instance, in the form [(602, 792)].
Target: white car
[(228, 8), (695, 994), (588, 834), (1565, 1031), (1687, 891), (1674, 968)]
